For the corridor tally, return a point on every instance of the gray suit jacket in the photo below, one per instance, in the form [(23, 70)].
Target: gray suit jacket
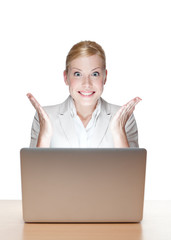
[(64, 135)]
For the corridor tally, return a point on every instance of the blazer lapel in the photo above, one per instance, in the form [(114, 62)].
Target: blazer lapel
[(101, 125), (67, 124)]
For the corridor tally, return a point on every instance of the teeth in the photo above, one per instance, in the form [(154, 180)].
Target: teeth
[(86, 94)]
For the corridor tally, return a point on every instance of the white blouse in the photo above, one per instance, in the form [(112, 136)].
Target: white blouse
[(84, 134)]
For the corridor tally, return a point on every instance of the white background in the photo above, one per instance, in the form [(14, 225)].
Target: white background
[(35, 39)]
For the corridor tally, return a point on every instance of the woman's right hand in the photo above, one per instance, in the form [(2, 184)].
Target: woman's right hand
[(45, 133)]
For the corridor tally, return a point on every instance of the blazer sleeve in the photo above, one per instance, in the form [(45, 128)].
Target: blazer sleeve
[(132, 132), (35, 131)]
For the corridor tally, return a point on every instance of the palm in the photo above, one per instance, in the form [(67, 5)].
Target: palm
[(121, 117), (45, 124)]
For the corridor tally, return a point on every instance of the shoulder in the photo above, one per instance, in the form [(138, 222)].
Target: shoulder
[(109, 108), (57, 108)]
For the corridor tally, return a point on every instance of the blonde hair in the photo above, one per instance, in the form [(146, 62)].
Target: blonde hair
[(85, 48)]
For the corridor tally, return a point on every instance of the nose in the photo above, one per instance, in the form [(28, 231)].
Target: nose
[(87, 81)]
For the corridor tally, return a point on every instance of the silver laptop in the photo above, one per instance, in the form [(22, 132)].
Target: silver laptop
[(83, 185)]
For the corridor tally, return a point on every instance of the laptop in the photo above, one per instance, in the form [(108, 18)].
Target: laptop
[(83, 185)]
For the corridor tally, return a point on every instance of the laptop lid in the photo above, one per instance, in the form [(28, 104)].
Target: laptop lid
[(83, 185)]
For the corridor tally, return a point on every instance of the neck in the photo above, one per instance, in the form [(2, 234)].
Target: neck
[(85, 112)]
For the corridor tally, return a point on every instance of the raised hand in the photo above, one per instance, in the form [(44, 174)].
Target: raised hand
[(45, 133), (119, 121)]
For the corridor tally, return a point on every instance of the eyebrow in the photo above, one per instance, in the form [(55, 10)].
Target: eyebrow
[(91, 70)]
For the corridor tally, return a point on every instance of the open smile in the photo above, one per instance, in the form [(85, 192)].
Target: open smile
[(87, 93)]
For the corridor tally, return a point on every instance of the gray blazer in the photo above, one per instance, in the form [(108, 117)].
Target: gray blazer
[(64, 135)]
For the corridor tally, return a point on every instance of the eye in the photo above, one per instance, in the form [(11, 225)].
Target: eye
[(95, 74), (77, 74)]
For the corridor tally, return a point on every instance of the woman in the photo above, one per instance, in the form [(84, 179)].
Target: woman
[(84, 119)]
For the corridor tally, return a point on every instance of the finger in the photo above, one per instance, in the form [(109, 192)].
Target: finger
[(33, 101), (131, 105), (119, 112), (128, 110), (36, 105), (127, 115), (133, 102)]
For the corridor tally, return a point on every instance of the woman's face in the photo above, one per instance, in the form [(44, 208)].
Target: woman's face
[(86, 78)]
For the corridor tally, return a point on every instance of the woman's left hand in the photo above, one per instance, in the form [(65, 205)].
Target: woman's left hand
[(119, 121)]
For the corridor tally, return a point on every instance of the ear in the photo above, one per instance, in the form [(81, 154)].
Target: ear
[(105, 77), (65, 77)]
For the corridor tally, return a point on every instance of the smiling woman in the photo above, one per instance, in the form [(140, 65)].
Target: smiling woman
[(84, 119)]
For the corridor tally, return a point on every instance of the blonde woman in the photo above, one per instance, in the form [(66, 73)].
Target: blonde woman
[(84, 119)]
